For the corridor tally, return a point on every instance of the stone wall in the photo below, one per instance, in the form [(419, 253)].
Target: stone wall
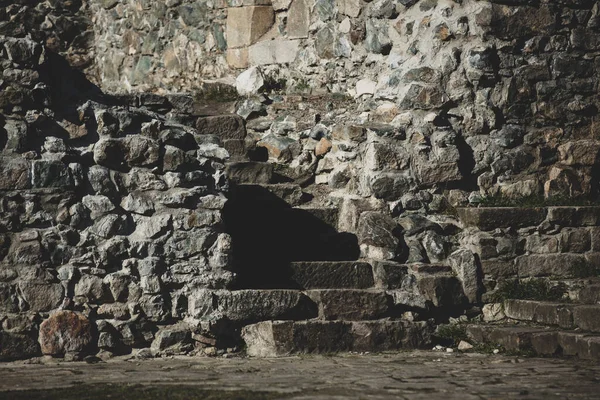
[(110, 208), (499, 98), (394, 114)]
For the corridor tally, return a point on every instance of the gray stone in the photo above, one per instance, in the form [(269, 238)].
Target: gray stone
[(377, 39), (298, 20), (351, 305), (250, 305), (41, 296), (172, 339), (465, 267)]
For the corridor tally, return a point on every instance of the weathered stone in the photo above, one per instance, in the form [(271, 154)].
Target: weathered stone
[(350, 305), (500, 217), (249, 172), (298, 20), (249, 82), (331, 275), (581, 152), (278, 51), (250, 305), (465, 267), (24, 51), (555, 265), (172, 339), (376, 235), (246, 25), (280, 338), (51, 174), (377, 40), (41, 296), (224, 126), (280, 147), (350, 8), (14, 173), (65, 332), (15, 346)]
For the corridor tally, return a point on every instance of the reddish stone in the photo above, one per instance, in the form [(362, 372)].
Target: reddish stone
[(65, 332)]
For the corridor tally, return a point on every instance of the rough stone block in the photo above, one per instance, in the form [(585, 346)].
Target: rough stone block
[(331, 275), (298, 19), (575, 240), (587, 317), (390, 335), (540, 312), (574, 216), (278, 51), (14, 173), (245, 25), (501, 217), (554, 265), (15, 346), (280, 338), (250, 305), (238, 58), (350, 305), (223, 126), (389, 274), (249, 172), (42, 296), (495, 269), (65, 332)]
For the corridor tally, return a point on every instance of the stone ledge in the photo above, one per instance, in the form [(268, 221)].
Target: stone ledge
[(488, 218)]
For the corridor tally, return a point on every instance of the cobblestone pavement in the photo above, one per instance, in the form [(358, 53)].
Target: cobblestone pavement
[(411, 375)]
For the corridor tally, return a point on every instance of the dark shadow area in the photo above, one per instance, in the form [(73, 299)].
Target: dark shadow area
[(268, 234)]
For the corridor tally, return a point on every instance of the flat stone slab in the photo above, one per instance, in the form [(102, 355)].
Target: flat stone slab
[(351, 304), (574, 216), (559, 265), (568, 316), (250, 305), (281, 338), (539, 340), (331, 275), (488, 218)]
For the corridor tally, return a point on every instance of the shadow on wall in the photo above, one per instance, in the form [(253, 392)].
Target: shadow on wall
[(268, 234)]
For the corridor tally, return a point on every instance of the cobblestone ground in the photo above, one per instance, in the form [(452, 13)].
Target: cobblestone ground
[(411, 375)]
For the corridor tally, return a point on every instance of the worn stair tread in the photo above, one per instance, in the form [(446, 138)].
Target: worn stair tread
[(282, 338), (539, 340), (565, 315), (331, 275), (352, 304)]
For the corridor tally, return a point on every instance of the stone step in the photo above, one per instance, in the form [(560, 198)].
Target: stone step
[(422, 286), (254, 305), (352, 304), (330, 275), (542, 341), (282, 338), (569, 316)]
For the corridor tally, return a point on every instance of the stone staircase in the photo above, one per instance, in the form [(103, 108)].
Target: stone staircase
[(546, 300), (312, 293)]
